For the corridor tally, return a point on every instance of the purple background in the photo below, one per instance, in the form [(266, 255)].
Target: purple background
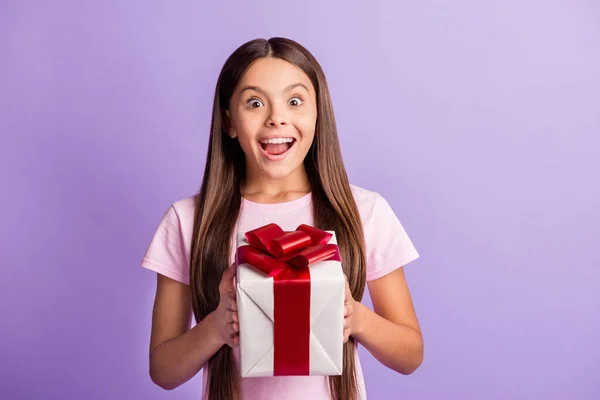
[(478, 121)]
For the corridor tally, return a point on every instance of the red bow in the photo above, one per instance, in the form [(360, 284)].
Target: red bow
[(285, 256), (272, 250)]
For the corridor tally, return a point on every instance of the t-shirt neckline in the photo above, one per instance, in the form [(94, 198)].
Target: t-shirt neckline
[(296, 204)]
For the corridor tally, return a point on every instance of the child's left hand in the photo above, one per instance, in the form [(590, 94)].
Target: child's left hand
[(349, 303)]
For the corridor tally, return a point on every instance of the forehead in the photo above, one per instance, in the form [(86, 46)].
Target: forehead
[(274, 75)]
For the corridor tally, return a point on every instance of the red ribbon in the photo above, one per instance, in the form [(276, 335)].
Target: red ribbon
[(285, 256)]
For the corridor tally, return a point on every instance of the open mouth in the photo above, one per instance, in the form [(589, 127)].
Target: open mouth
[(277, 148)]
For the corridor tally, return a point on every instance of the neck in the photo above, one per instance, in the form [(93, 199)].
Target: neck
[(259, 186)]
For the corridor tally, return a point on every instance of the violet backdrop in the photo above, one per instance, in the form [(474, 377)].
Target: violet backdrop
[(477, 121)]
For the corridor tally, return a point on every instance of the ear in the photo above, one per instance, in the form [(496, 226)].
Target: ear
[(228, 126)]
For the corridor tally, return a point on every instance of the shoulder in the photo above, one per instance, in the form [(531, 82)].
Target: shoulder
[(178, 219), (179, 215), (369, 202), (374, 209), (184, 208), (388, 246), (363, 195), (168, 250)]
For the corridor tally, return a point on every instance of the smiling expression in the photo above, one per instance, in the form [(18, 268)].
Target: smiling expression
[(273, 113)]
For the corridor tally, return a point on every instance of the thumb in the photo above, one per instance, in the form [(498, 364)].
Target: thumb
[(227, 278)]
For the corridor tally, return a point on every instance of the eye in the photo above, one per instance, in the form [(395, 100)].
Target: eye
[(254, 103), (295, 101)]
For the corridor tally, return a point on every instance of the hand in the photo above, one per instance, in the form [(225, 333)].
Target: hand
[(226, 316), (349, 305)]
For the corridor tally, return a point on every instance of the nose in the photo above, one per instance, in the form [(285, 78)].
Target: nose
[(274, 122), (277, 117)]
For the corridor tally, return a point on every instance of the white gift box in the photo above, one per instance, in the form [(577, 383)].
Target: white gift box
[(255, 302)]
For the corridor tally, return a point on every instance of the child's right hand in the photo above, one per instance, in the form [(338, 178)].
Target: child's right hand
[(226, 316)]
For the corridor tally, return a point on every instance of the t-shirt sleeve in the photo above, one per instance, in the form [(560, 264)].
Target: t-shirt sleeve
[(388, 245), (165, 254)]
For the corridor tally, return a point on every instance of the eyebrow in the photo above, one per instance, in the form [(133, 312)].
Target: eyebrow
[(287, 89)]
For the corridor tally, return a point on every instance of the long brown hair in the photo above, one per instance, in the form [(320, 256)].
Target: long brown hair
[(219, 199)]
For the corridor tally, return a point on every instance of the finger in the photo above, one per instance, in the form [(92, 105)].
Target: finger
[(232, 304), (227, 279), (229, 273), (230, 317), (231, 329), (233, 341), (348, 310), (347, 324), (348, 294), (348, 299)]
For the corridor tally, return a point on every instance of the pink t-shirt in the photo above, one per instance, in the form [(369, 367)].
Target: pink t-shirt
[(387, 244)]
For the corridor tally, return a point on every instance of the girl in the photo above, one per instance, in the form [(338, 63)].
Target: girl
[(274, 156)]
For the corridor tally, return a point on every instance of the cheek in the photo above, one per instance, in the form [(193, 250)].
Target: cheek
[(306, 121), (247, 128), (307, 126)]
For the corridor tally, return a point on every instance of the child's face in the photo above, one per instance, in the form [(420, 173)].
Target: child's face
[(274, 100)]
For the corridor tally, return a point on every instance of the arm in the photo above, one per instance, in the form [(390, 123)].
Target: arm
[(391, 333), (177, 352)]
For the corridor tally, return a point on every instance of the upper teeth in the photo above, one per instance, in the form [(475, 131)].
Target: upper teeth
[(277, 140)]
